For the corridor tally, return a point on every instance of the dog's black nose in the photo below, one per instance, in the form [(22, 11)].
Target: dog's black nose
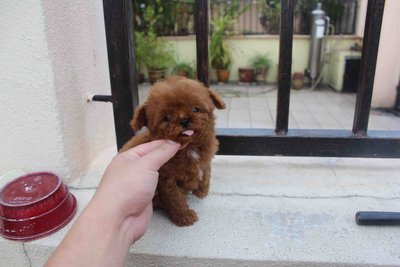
[(184, 123)]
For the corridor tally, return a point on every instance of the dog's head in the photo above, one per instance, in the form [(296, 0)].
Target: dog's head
[(178, 109)]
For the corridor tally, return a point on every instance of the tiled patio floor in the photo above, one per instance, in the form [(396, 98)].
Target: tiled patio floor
[(255, 107)]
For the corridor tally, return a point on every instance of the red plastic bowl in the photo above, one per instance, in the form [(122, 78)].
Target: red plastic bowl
[(35, 205)]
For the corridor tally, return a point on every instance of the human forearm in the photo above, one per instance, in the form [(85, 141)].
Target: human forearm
[(98, 238)]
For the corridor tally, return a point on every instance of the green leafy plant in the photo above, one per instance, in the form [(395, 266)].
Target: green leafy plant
[(183, 67), (270, 12), (261, 62), (157, 53), (154, 52), (167, 18), (220, 55), (140, 49)]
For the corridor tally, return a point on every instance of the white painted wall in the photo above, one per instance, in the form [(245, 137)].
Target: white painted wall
[(387, 73), (53, 54)]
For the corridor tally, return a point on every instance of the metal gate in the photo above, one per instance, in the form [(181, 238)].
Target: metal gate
[(356, 142)]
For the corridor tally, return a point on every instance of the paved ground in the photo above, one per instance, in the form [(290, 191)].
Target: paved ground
[(255, 107), (261, 211)]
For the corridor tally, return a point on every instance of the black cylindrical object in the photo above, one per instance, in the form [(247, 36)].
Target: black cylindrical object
[(397, 103), (102, 98), (377, 218)]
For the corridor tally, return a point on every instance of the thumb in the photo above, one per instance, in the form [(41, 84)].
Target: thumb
[(154, 159)]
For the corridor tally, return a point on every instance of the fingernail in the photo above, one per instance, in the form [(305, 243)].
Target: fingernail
[(171, 142)]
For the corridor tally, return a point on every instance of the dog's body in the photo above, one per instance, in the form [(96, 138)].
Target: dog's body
[(180, 109)]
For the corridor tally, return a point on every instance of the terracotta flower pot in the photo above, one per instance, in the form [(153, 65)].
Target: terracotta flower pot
[(156, 74), (261, 75), (223, 75), (183, 73), (140, 77), (298, 82), (246, 75)]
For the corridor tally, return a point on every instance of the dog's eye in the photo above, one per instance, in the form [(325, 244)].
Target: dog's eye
[(167, 118), (195, 109)]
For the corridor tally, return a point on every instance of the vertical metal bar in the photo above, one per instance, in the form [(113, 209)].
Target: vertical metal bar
[(373, 23), (118, 18), (285, 66), (201, 21)]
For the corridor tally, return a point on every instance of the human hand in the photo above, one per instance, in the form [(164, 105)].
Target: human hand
[(129, 183), (119, 212)]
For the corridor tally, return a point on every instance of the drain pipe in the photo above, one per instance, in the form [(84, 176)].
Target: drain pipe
[(319, 30)]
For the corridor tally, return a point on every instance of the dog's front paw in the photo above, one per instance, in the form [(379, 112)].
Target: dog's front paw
[(186, 218), (200, 192)]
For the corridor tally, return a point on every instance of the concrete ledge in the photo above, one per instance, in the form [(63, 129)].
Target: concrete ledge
[(263, 211)]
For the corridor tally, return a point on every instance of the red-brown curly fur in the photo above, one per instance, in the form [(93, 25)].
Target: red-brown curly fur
[(173, 106)]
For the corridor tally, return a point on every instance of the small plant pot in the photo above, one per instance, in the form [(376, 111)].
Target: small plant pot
[(183, 73), (140, 77), (156, 74), (298, 81), (223, 75), (261, 75), (246, 75)]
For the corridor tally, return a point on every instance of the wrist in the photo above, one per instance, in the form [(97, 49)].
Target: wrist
[(104, 212), (96, 234), (108, 230)]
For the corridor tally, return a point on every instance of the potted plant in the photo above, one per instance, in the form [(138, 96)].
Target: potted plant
[(246, 75), (154, 52), (183, 69), (220, 55), (261, 63), (298, 81), (157, 56)]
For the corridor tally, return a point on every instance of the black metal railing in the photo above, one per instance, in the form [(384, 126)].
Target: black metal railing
[(356, 142)]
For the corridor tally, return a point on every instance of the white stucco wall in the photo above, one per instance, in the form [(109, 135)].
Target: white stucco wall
[(387, 74), (53, 54)]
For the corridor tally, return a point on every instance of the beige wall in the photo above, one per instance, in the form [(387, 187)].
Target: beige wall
[(388, 68), (243, 47)]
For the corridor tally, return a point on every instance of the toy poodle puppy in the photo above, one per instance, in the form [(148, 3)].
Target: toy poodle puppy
[(180, 109)]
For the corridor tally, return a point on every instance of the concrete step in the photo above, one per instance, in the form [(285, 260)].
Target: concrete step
[(264, 211)]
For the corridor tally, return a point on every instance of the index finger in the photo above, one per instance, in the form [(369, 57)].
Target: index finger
[(154, 159), (143, 149)]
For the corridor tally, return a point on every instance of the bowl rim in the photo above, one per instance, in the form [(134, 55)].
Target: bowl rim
[(59, 182)]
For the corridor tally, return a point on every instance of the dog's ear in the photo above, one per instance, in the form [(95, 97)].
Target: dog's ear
[(139, 118), (217, 100)]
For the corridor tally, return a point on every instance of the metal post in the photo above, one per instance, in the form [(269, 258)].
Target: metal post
[(201, 21), (118, 17), (369, 56), (285, 66)]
